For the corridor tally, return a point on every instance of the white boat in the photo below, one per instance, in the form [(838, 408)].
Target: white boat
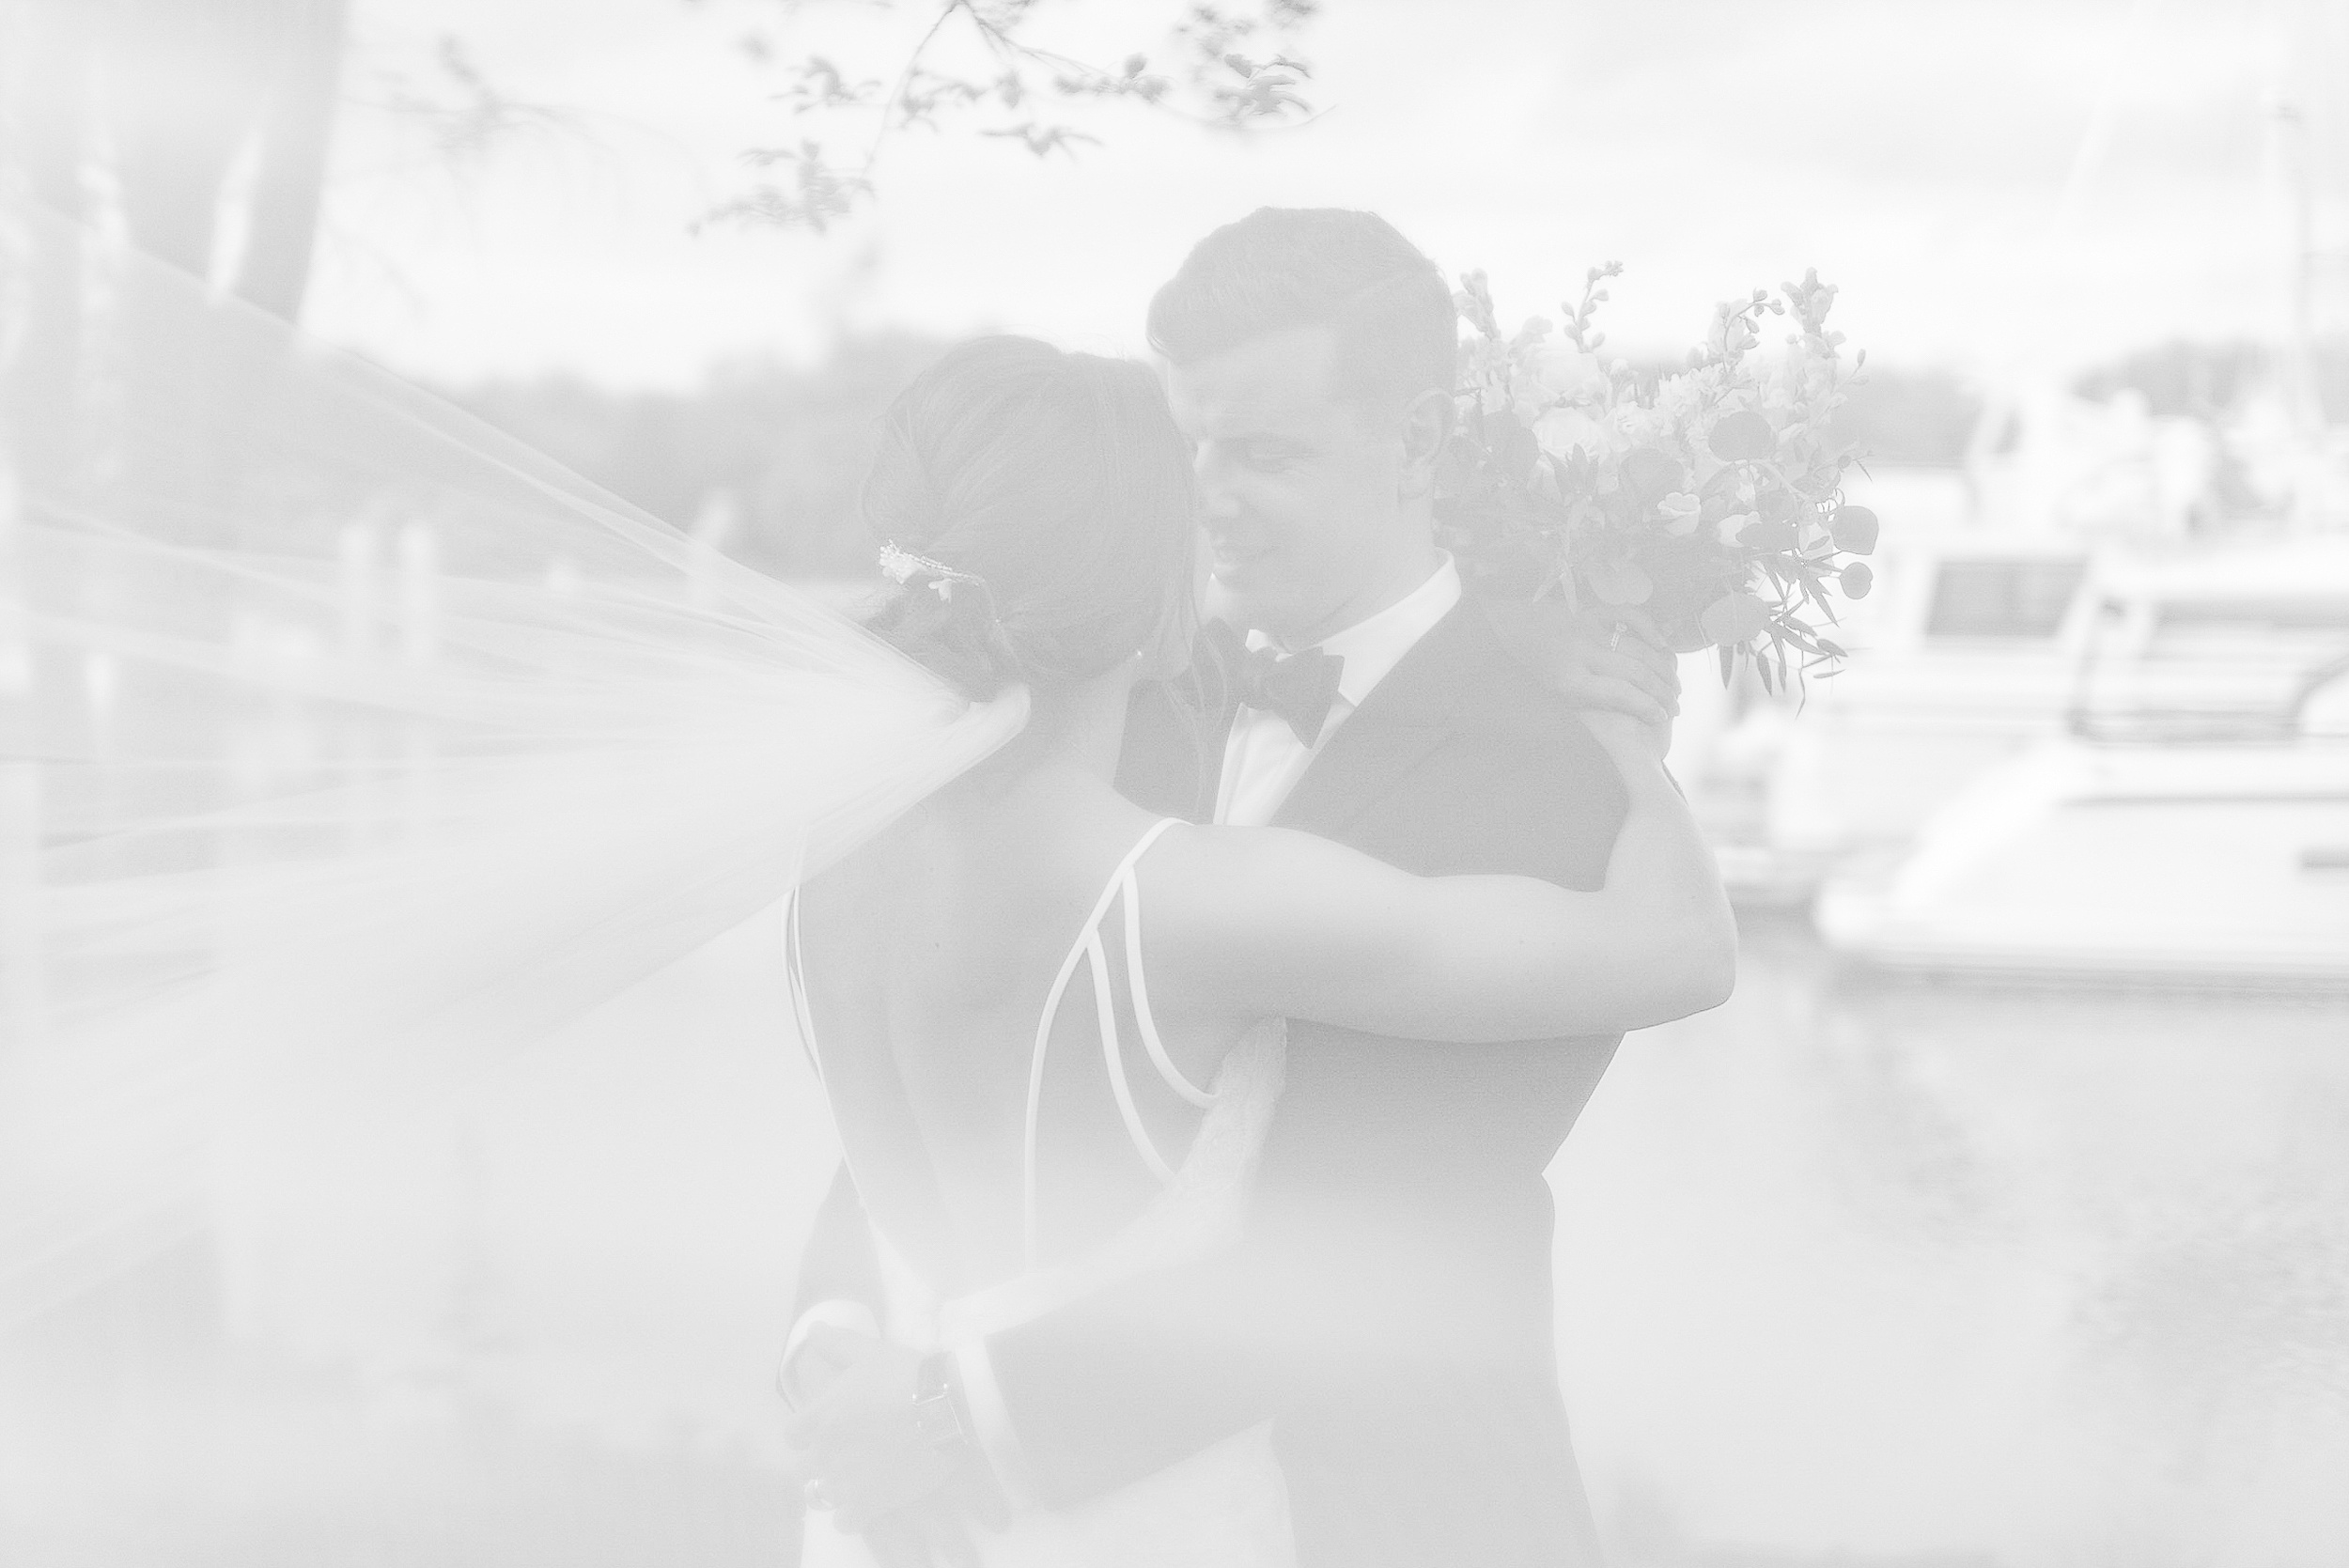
[(2193, 826), (1963, 659)]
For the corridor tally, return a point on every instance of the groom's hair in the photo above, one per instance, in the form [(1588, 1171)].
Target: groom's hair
[(1282, 267)]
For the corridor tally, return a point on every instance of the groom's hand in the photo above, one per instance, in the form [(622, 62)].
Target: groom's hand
[(1613, 659), (873, 1460)]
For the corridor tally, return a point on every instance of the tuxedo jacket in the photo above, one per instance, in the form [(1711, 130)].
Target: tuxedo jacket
[(1389, 1306)]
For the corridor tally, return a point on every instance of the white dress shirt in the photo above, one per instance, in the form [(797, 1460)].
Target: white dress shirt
[(1264, 759)]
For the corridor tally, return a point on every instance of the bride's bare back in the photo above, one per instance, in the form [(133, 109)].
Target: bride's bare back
[(929, 958)]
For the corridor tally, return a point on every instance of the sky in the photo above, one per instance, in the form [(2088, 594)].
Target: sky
[(1997, 185)]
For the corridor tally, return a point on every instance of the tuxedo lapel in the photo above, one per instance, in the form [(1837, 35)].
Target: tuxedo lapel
[(1405, 716)]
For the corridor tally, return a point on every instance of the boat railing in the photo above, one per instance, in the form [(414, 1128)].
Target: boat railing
[(2221, 672), (2185, 726)]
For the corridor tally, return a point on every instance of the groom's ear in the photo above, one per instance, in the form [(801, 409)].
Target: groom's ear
[(1426, 426)]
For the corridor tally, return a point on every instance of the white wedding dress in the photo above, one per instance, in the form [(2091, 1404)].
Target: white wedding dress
[(1224, 1507)]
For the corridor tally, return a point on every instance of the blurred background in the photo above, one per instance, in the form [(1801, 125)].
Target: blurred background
[(1998, 1219)]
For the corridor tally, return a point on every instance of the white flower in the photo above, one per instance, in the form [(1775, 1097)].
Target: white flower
[(1560, 431), (1680, 511), (1635, 426), (1685, 394)]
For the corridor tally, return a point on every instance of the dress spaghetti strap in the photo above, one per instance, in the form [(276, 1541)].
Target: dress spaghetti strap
[(1090, 952), (795, 974)]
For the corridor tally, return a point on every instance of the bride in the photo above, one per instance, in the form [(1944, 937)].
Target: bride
[(1049, 1024)]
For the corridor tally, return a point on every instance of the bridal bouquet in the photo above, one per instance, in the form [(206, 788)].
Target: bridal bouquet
[(1711, 498)]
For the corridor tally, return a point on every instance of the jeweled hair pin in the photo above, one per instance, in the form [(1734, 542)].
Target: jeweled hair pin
[(902, 566)]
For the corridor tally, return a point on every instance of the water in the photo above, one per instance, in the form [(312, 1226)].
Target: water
[(2017, 1276), (1849, 1272)]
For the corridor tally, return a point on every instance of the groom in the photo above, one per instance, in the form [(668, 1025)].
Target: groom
[(1389, 1308)]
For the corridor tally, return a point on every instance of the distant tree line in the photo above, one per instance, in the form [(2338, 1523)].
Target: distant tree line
[(1909, 418), (766, 455), (769, 457), (2210, 379)]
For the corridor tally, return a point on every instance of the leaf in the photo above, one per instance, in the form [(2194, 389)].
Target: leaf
[(1734, 618), (1775, 535), (1742, 437), (1854, 529), (1729, 663), (1649, 475), (1618, 581), (1857, 579)]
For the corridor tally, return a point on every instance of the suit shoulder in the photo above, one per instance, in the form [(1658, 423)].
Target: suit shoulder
[(1503, 703), (1486, 684), (1501, 694)]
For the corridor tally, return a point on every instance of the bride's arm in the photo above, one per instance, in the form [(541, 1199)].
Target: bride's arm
[(1274, 923)]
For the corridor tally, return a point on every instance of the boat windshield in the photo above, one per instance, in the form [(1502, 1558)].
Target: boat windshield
[(2004, 600)]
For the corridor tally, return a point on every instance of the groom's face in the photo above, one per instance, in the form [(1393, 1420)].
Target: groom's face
[(1297, 484)]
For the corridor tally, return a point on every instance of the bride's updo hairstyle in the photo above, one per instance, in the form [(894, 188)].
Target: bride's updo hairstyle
[(1056, 491)]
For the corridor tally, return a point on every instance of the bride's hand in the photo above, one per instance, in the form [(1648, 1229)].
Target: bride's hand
[(1615, 661)]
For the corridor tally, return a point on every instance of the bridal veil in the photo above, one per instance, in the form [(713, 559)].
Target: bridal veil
[(345, 742)]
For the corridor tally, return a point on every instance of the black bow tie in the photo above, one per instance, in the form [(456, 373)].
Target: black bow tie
[(1301, 688)]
